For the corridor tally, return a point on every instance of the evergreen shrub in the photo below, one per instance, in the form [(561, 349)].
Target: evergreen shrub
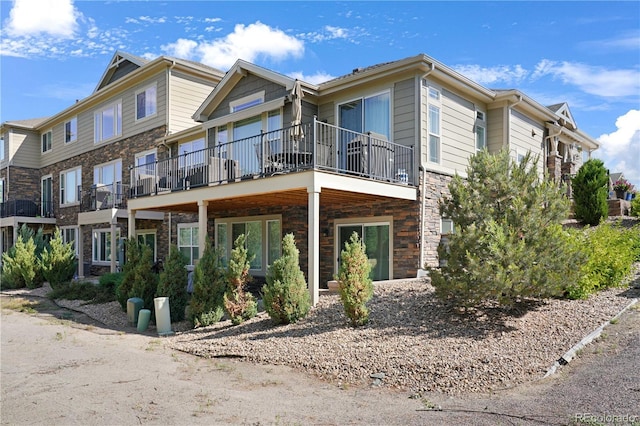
[(173, 284), (206, 306), (356, 287), (239, 304)]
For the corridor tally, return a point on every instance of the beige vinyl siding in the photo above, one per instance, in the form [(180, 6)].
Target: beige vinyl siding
[(403, 121), (249, 85), (187, 94), (522, 140), (458, 136), (495, 129), (24, 148), (85, 141)]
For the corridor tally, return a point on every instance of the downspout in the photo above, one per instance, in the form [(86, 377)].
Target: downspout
[(168, 91), (423, 193), (508, 123)]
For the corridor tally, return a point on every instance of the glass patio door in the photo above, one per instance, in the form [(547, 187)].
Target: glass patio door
[(377, 242), (46, 193)]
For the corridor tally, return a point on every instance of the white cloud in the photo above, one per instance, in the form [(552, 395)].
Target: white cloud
[(245, 42), (620, 150), (58, 18), (492, 75), (593, 80), (317, 78), (181, 48), (150, 20), (212, 19)]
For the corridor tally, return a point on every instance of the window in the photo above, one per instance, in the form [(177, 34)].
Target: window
[(446, 226), (188, 241), (148, 238), (2, 149), (377, 239), (191, 153), (367, 114), (107, 179), (481, 131), (107, 122), (69, 236), (101, 250), (246, 102), (263, 238), (146, 105), (1, 191), (434, 134), (46, 196), (70, 186), (71, 130), (145, 164), (46, 141)]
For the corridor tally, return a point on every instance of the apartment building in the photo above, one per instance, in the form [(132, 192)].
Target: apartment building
[(370, 152)]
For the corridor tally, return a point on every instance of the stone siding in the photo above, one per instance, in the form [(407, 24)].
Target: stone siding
[(436, 186)]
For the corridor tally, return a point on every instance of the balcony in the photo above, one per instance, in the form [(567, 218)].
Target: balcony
[(315, 145), (26, 208), (102, 197)]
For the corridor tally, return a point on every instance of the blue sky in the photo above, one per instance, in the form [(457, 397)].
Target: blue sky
[(53, 52)]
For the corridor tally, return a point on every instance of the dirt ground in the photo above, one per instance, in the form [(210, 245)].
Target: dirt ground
[(59, 368)]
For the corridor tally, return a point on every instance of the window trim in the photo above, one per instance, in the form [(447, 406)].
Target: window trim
[(442, 221), (153, 232), (263, 219), (78, 184), (64, 237), (480, 122), (2, 148), (362, 99), (42, 181), (434, 99), (180, 226), (135, 101), (74, 135), (50, 141), (103, 231), (247, 102), (117, 122)]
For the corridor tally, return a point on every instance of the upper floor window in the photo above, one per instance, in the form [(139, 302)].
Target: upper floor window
[(146, 104), (481, 131), (433, 124), (1, 191), (367, 114), (1, 149), (246, 102), (70, 186), (46, 141), (107, 122), (108, 173), (71, 130), (191, 153), (145, 163)]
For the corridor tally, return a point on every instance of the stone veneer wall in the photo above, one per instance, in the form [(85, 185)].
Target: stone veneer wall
[(436, 186), (23, 183)]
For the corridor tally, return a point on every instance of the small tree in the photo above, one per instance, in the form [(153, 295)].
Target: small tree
[(286, 298), (19, 264), (58, 262), (590, 187), (134, 254), (508, 242), (206, 306), (239, 304), (356, 288), (145, 281), (173, 284)]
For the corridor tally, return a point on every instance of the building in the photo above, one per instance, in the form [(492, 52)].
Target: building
[(370, 152)]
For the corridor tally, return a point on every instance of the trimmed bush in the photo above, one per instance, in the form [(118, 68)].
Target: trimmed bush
[(635, 206), (508, 244), (110, 282), (238, 303), (138, 278), (173, 284), (206, 306), (356, 288), (58, 261), (19, 264), (590, 189), (611, 252), (286, 298)]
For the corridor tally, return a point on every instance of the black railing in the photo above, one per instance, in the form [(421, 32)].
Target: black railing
[(312, 145), (101, 197), (26, 208)]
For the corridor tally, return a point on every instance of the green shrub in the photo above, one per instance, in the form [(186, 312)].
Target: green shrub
[(611, 252), (19, 264), (509, 243), (238, 303), (138, 279), (590, 189), (134, 253), (110, 282), (635, 206), (356, 288), (58, 261), (79, 290), (206, 306), (173, 284), (286, 298)]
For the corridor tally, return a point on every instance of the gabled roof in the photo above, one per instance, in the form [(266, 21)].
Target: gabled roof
[(119, 62), (563, 112), (233, 76), (616, 176), (30, 123)]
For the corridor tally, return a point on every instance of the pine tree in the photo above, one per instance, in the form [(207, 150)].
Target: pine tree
[(286, 298), (590, 188), (144, 281), (58, 261), (173, 284), (20, 263), (356, 288), (206, 306), (239, 304), (134, 254), (508, 243)]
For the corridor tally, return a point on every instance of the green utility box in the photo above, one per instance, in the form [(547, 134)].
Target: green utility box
[(134, 305)]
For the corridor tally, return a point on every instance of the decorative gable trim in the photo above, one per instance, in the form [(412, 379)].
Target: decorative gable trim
[(119, 60)]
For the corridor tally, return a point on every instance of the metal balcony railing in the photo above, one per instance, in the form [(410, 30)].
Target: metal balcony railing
[(26, 208), (105, 196), (314, 145)]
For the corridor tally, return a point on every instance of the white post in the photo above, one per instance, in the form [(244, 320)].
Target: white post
[(114, 247), (80, 249), (202, 225), (131, 227), (314, 242)]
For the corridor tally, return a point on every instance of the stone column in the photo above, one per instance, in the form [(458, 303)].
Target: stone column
[(554, 162), (568, 170)]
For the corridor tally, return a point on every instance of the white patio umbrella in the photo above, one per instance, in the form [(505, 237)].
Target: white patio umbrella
[(296, 113)]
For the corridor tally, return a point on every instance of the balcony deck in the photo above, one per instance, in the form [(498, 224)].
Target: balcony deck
[(311, 146)]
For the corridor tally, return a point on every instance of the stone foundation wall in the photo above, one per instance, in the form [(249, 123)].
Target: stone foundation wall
[(436, 186)]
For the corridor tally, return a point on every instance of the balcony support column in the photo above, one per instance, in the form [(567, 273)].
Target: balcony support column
[(80, 249), (131, 223), (313, 275), (114, 247), (202, 225)]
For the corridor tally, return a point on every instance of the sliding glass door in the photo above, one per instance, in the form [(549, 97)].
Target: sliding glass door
[(376, 237)]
